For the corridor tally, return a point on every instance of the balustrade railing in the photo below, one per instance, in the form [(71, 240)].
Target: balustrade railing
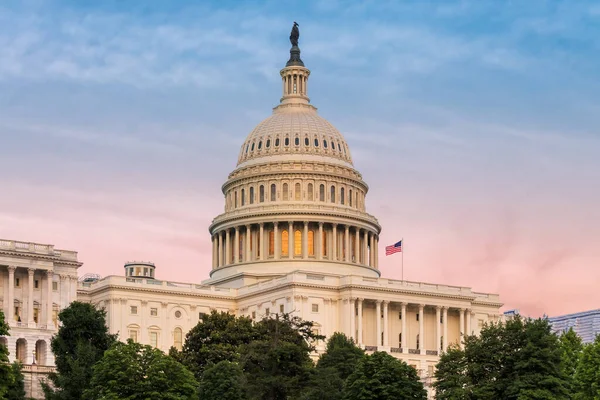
[(414, 351)]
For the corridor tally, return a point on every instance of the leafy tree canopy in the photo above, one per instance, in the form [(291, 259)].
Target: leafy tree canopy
[(7, 377), (131, 371), (587, 375), (571, 350), (222, 381)]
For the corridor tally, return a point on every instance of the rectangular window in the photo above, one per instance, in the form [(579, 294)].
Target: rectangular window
[(399, 340), (315, 308), (417, 316), (281, 308), (430, 370), (133, 310), (36, 284), (271, 243), (133, 335), (441, 318), (154, 339), (17, 282), (55, 286), (154, 312), (55, 317), (145, 271), (253, 314), (400, 315), (36, 315), (267, 311)]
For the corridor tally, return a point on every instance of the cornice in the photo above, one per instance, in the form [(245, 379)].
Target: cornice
[(54, 258), (109, 287)]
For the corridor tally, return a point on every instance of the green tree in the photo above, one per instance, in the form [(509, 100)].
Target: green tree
[(217, 337), (80, 342), (7, 377), (383, 377), (16, 390), (278, 364), (131, 371), (222, 381), (587, 377), (451, 376), (571, 349)]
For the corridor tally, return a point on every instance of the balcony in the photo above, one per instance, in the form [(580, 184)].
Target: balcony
[(431, 352), (414, 351), (370, 348)]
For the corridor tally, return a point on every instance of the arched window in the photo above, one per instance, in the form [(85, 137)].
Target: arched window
[(297, 243), (342, 196), (332, 194), (284, 243), (247, 147), (268, 143), (277, 142), (297, 192), (321, 193), (324, 243), (178, 338), (260, 145), (356, 199), (311, 243), (271, 243), (243, 197), (297, 141), (251, 200), (316, 142), (306, 141), (350, 197), (286, 141), (325, 143), (235, 196), (261, 194), (285, 191), (332, 145), (310, 192), (273, 192), (252, 148), (339, 147)]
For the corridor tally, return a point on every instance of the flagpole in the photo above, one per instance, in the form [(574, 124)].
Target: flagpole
[(402, 248)]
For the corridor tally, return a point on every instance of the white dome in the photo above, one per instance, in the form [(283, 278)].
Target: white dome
[(299, 130)]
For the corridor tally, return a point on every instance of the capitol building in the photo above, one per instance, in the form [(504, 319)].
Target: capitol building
[(295, 237)]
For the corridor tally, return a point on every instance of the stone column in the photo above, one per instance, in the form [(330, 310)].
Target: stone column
[(462, 326), (365, 250), (248, 243), (227, 247), (357, 246), (320, 242), (371, 251), (421, 329), (73, 286), (445, 318), (305, 241), (261, 240), (376, 262), (403, 344), (220, 249), (378, 323), (214, 252), (291, 239), (360, 326), (469, 320), (277, 243), (386, 332), (334, 252), (236, 245), (49, 299), (353, 335), (347, 244), (438, 329), (11, 295), (30, 272)]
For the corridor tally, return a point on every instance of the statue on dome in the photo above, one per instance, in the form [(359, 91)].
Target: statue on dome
[(295, 34)]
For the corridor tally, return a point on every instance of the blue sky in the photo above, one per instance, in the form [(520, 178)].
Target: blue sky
[(475, 124)]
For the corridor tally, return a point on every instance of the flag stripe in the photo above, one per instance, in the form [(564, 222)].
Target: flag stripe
[(395, 248)]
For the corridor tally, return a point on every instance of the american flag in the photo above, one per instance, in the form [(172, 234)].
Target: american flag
[(395, 248)]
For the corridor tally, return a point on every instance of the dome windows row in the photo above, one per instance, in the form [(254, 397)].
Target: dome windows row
[(288, 191), (328, 145)]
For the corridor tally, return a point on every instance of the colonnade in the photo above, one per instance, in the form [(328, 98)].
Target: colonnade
[(295, 240), (382, 326)]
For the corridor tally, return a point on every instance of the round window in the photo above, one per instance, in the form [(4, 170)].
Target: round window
[(177, 314)]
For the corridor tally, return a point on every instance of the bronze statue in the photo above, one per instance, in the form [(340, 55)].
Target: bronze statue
[(295, 34)]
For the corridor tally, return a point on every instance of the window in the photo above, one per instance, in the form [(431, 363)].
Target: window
[(273, 192), (322, 193), (277, 142), (284, 243), (131, 271), (297, 141), (36, 284), (316, 142), (339, 147), (285, 191), (252, 148), (267, 311), (342, 196), (297, 192), (286, 141), (399, 340), (145, 271), (261, 194), (417, 316), (311, 243), (324, 244), (235, 197), (253, 314), (251, 195), (306, 142), (55, 286), (281, 308), (271, 243), (430, 370), (297, 243), (133, 335), (154, 312), (441, 318), (17, 314), (260, 145), (247, 146), (55, 317), (36, 315), (133, 310), (177, 338), (418, 344), (325, 143), (177, 314), (17, 282), (268, 143), (154, 339), (400, 315), (310, 192), (350, 197), (243, 197), (332, 194), (315, 308), (332, 145)]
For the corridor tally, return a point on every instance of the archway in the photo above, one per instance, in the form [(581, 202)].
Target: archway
[(21, 355), (41, 352)]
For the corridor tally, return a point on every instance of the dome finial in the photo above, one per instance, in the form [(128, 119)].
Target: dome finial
[(295, 50)]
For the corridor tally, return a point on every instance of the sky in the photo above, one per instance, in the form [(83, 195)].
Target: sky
[(475, 124)]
